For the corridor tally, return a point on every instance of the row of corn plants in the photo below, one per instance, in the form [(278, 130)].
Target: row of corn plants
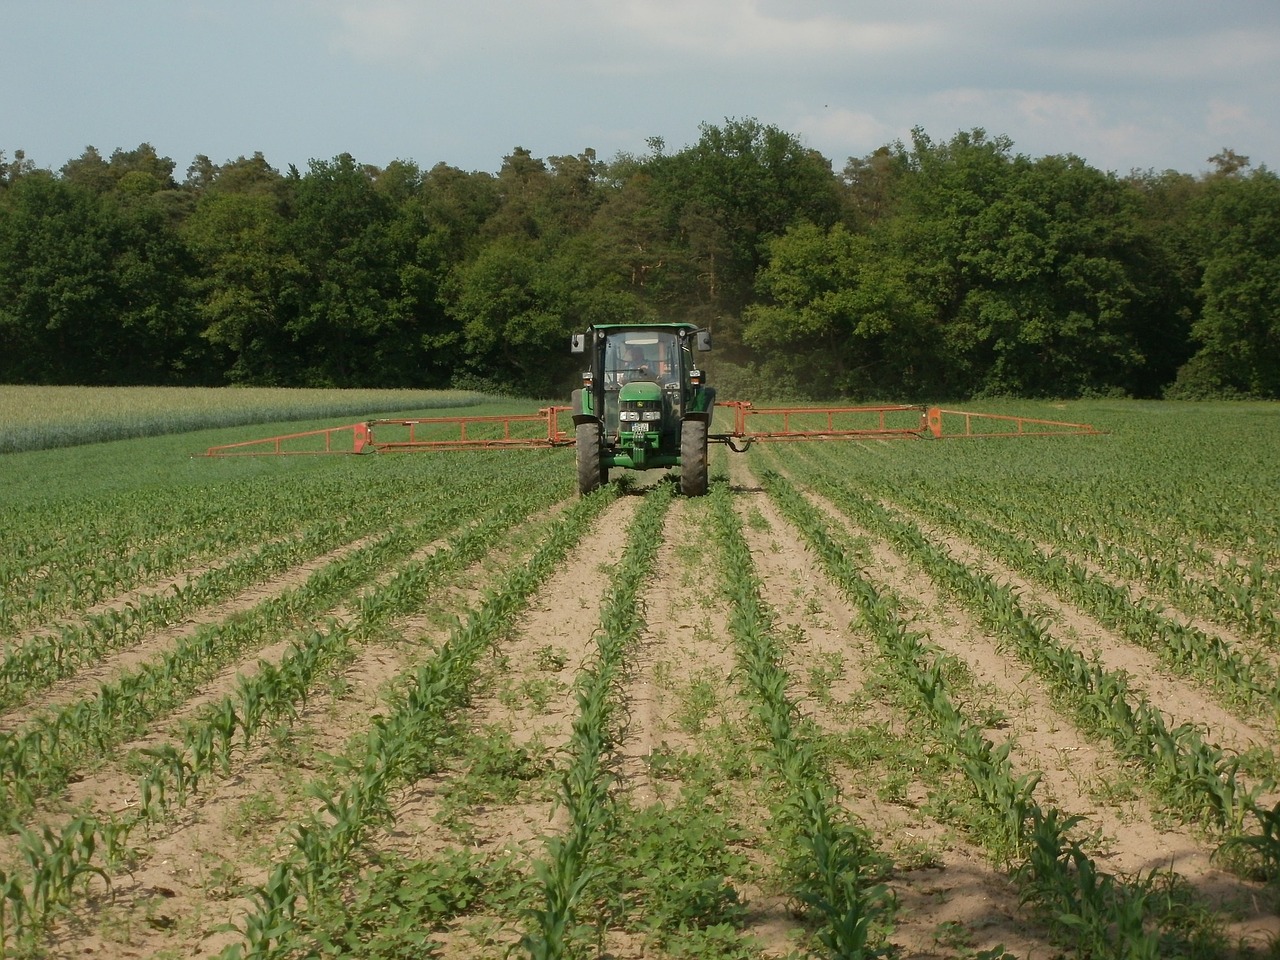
[(1196, 780), (1241, 595), (69, 554), (1097, 913), (87, 556), (1184, 647), (278, 691), (832, 866), (400, 748), (59, 863), (43, 660), (565, 876), (38, 757), (175, 771)]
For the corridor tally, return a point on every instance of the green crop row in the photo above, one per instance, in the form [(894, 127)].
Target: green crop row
[(565, 876), (1095, 911), (70, 553), (1184, 647), (42, 660), (833, 866), (1240, 594), (1196, 780), (39, 757), (399, 748), (276, 691), (175, 771)]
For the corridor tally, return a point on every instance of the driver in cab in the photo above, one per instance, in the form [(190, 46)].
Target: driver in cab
[(636, 364)]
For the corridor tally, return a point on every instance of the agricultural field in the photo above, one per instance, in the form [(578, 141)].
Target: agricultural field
[(967, 698)]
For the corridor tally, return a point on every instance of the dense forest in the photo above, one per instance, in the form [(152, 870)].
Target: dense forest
[(924, 271)]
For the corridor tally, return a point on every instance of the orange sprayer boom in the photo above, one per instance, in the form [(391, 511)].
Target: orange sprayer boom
[(751, 424)]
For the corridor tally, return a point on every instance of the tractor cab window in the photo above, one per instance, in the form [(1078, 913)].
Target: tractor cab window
[(641, 355)]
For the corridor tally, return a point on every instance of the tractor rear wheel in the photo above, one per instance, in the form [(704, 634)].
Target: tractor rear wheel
[(693, 458), (592, 473)]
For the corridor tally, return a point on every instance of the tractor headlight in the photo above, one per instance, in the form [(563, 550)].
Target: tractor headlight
[(651, 415), (630, 415)]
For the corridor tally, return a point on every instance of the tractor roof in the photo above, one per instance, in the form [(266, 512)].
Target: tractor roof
[(645, 326)]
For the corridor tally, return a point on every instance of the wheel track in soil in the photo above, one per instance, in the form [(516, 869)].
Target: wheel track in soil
[(561, 620)]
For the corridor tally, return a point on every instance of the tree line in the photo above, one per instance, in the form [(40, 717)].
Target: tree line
[(923, 271)]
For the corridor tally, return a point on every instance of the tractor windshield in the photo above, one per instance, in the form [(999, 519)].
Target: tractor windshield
[(641, 355)]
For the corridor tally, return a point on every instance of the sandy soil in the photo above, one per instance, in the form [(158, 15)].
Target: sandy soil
[(189, 882)]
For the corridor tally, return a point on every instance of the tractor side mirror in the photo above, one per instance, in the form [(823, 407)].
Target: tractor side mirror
[(578, 343), (702, 340)]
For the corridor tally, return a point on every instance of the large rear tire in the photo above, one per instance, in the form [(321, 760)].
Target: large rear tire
[(592, 473), (693, 458)]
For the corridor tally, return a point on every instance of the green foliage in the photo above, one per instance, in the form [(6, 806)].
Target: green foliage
[(944, 269), (1238, 333), (390, 910)]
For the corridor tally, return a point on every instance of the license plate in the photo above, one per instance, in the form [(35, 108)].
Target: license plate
[(640, 427)]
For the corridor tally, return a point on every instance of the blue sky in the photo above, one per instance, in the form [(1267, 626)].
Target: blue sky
[(1142, 84)]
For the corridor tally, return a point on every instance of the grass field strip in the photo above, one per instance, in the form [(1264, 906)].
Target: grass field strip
[(399, 749), (564, 875), (1096, 912)]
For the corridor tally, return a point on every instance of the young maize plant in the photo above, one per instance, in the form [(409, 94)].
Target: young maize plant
[(401, 746), (1100, 924), (58, 862), (564, 876), (834, 866)]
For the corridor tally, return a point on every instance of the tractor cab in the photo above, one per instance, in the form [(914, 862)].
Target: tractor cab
[(643, 402)]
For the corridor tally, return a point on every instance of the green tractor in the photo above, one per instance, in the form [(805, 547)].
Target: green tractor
[(642, 403)]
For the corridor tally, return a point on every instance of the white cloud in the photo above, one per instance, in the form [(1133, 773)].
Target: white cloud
[(744, 28), (849, 132), (1229, 118)]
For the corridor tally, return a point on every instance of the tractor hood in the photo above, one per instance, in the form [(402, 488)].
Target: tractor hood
[(640, 390)]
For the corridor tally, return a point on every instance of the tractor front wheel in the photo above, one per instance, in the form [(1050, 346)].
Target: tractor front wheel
[(592, 473), (693, 458)]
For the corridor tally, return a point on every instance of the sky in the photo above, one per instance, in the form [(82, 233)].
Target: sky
[(1125, 84)]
